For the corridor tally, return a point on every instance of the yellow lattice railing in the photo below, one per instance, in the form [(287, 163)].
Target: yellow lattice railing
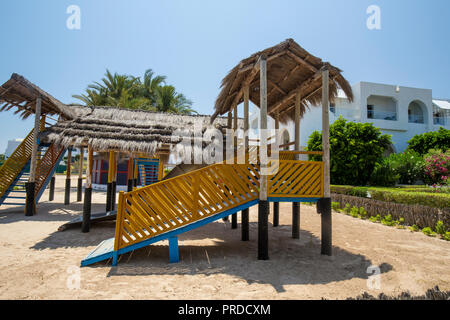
[(167, 205), (15, 163), (296, 179), (46, 164)]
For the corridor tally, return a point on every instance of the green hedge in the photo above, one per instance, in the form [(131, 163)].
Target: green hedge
[(397, 195)]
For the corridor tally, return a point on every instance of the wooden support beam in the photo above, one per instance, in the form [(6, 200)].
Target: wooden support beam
[(326, 219), (80, 176), (109, 185), (234, 223), (268, 59), (245, 235), (263, 126), (274, 109), (68, 173), (273, 84), (30, 202), (301, 61), (88, 192), (326, 132), (252, 74), (307, 96), (263, 206)]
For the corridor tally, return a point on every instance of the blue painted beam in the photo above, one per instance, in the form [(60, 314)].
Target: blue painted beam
[(173, 250)]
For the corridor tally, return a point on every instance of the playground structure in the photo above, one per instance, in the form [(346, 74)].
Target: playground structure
[(290, 81)]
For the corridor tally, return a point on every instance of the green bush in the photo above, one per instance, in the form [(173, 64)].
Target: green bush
[(446, 236), (362, 213), (347, 209), (409, 165), (440, 228), (354, 212), (388, 221), (336, 206), (414, 228), (428, 231), (424, 142), (384, 174), (355, 148)]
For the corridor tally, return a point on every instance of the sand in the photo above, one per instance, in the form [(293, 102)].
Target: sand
[(38, 262)]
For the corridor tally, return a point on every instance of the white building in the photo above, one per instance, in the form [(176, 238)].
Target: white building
[(12, 145), (399, 111)]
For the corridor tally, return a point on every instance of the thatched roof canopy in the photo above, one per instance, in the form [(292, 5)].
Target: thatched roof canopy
[(20, 93), (290, 69), (109, 128)]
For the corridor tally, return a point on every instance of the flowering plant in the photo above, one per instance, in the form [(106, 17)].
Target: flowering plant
[(437, 167)]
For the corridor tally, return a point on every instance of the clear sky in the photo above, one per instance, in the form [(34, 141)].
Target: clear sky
[(196, 42)]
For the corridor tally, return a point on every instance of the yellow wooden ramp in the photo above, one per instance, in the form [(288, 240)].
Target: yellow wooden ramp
[(168, 208)]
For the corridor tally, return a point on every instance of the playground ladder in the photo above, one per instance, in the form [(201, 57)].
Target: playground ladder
[(14, 173)]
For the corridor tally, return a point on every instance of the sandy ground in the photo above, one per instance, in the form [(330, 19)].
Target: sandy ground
[(38, 262)]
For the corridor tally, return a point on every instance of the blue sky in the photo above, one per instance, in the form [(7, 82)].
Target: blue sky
[(196, 42)]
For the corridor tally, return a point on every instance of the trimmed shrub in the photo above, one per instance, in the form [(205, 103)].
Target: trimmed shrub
[(424, 142), (355, 148), (422, 216)]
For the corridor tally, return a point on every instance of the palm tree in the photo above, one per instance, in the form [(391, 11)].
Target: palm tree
[(150, 85), (130, 92), (168, 100)]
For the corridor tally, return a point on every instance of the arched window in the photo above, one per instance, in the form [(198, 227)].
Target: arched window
[(416, 112)]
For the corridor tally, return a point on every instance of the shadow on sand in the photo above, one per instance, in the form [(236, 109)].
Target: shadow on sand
[(226, 254)]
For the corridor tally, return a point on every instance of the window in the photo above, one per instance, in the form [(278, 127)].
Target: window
[(370, 111)]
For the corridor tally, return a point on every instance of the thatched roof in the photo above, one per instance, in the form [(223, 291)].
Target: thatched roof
[(20, 93), (109, 128), (290, 69)]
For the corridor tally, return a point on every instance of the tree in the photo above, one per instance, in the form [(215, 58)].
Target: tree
[(125, 91), (422, 143), (355, 149)]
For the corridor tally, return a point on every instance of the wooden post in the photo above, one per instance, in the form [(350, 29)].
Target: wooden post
[(68, 173), (51, 193), (234, 223), (296, 205), (245, 235), (30, 203), (263, 207), (276, 205), (114, 183), (326, 246), (229, 126), (80, 176), (130, 174), (135, 173), (88, 193), (109, 186)]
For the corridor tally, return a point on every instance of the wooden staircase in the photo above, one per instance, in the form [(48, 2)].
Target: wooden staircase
[(14, 173)]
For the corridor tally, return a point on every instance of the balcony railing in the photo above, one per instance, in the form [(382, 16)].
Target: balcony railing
[(415, 118), (382, 115), (443, 121)]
